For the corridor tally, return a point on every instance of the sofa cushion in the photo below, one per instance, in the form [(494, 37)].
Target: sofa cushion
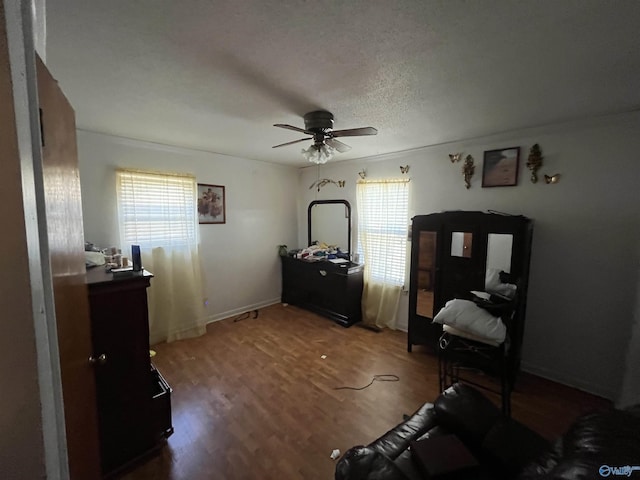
[(509, 446), (365, 463), (464, 411), (405, 463), (543, 464), (600, 439), (443, 456), (612, 434), (396, 440)]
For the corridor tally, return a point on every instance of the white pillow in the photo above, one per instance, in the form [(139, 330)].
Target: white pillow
[(466, 315), (470, 336)]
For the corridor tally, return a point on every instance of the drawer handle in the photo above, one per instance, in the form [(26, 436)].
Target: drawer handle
[(322, 272), (100, 360)]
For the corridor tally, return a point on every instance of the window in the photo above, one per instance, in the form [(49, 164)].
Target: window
[(383, 211), (156, 210)]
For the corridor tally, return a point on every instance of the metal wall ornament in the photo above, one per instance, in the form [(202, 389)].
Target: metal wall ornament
[(455, 157), (550, 179), (404, 169), (326, 181), (467, 171), (534, 162), (362, 174)]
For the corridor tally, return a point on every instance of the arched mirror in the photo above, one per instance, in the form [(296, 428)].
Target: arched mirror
[(329, 221)]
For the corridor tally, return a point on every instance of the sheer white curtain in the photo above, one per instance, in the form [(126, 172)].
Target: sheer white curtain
[(158, 212), (383, 210)]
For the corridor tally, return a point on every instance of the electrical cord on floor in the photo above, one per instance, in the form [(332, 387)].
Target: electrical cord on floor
[(246, 315), (379, 378)]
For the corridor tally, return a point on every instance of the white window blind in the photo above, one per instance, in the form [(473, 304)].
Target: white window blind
[(383, 210), (156, 210)]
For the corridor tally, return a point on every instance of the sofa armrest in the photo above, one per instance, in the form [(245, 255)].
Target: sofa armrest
[(463, 410), (396, 440), (365, 463)]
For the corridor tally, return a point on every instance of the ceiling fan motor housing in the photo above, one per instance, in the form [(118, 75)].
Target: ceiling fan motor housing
[(318, 122)]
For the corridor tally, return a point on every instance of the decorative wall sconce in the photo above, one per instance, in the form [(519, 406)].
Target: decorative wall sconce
[(362, 174), (552, 178), (404, 169), (326, 181), (534, 162), (455, 157), (467, 170)]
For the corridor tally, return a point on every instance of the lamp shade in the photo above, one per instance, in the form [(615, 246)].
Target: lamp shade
[(318, 153)]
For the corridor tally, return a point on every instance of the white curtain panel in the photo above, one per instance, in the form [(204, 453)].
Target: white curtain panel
[(158, 212), (176, 308), (382, 236)]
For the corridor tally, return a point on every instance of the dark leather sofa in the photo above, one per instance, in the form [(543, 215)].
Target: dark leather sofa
[(504, 448)]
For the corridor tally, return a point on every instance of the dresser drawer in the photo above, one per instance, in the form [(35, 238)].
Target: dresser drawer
[(333, 290)]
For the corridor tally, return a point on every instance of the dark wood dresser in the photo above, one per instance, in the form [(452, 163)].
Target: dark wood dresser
[(134, 404), (330, 289)]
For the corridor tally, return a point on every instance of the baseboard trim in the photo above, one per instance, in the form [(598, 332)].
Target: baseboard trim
[(569, 381), (237, 311)]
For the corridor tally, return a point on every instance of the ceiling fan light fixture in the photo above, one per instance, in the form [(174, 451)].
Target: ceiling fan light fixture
[(319, 125), (318, 154)]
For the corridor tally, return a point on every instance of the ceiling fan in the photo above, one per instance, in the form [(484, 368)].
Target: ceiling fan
[(319, 125)]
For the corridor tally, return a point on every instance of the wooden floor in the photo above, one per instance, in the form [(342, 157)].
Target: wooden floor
[(254, 399)]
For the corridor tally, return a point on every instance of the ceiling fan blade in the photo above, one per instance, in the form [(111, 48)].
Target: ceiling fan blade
[(354, 132), (338, 145), (290, 127), (291, 143)]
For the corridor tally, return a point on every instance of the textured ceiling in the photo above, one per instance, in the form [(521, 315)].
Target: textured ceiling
[(216, 75)]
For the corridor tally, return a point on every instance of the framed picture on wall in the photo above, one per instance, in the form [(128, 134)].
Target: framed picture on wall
[(211, 204), (500, 167)]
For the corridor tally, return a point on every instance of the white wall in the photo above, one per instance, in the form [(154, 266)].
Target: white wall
[(39, 12), (587, 228), (239, 258), (630, 394)]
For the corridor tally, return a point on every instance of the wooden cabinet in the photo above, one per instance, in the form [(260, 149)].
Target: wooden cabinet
[(461, 249), (134, 410), (471, 252), (332, 290)]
